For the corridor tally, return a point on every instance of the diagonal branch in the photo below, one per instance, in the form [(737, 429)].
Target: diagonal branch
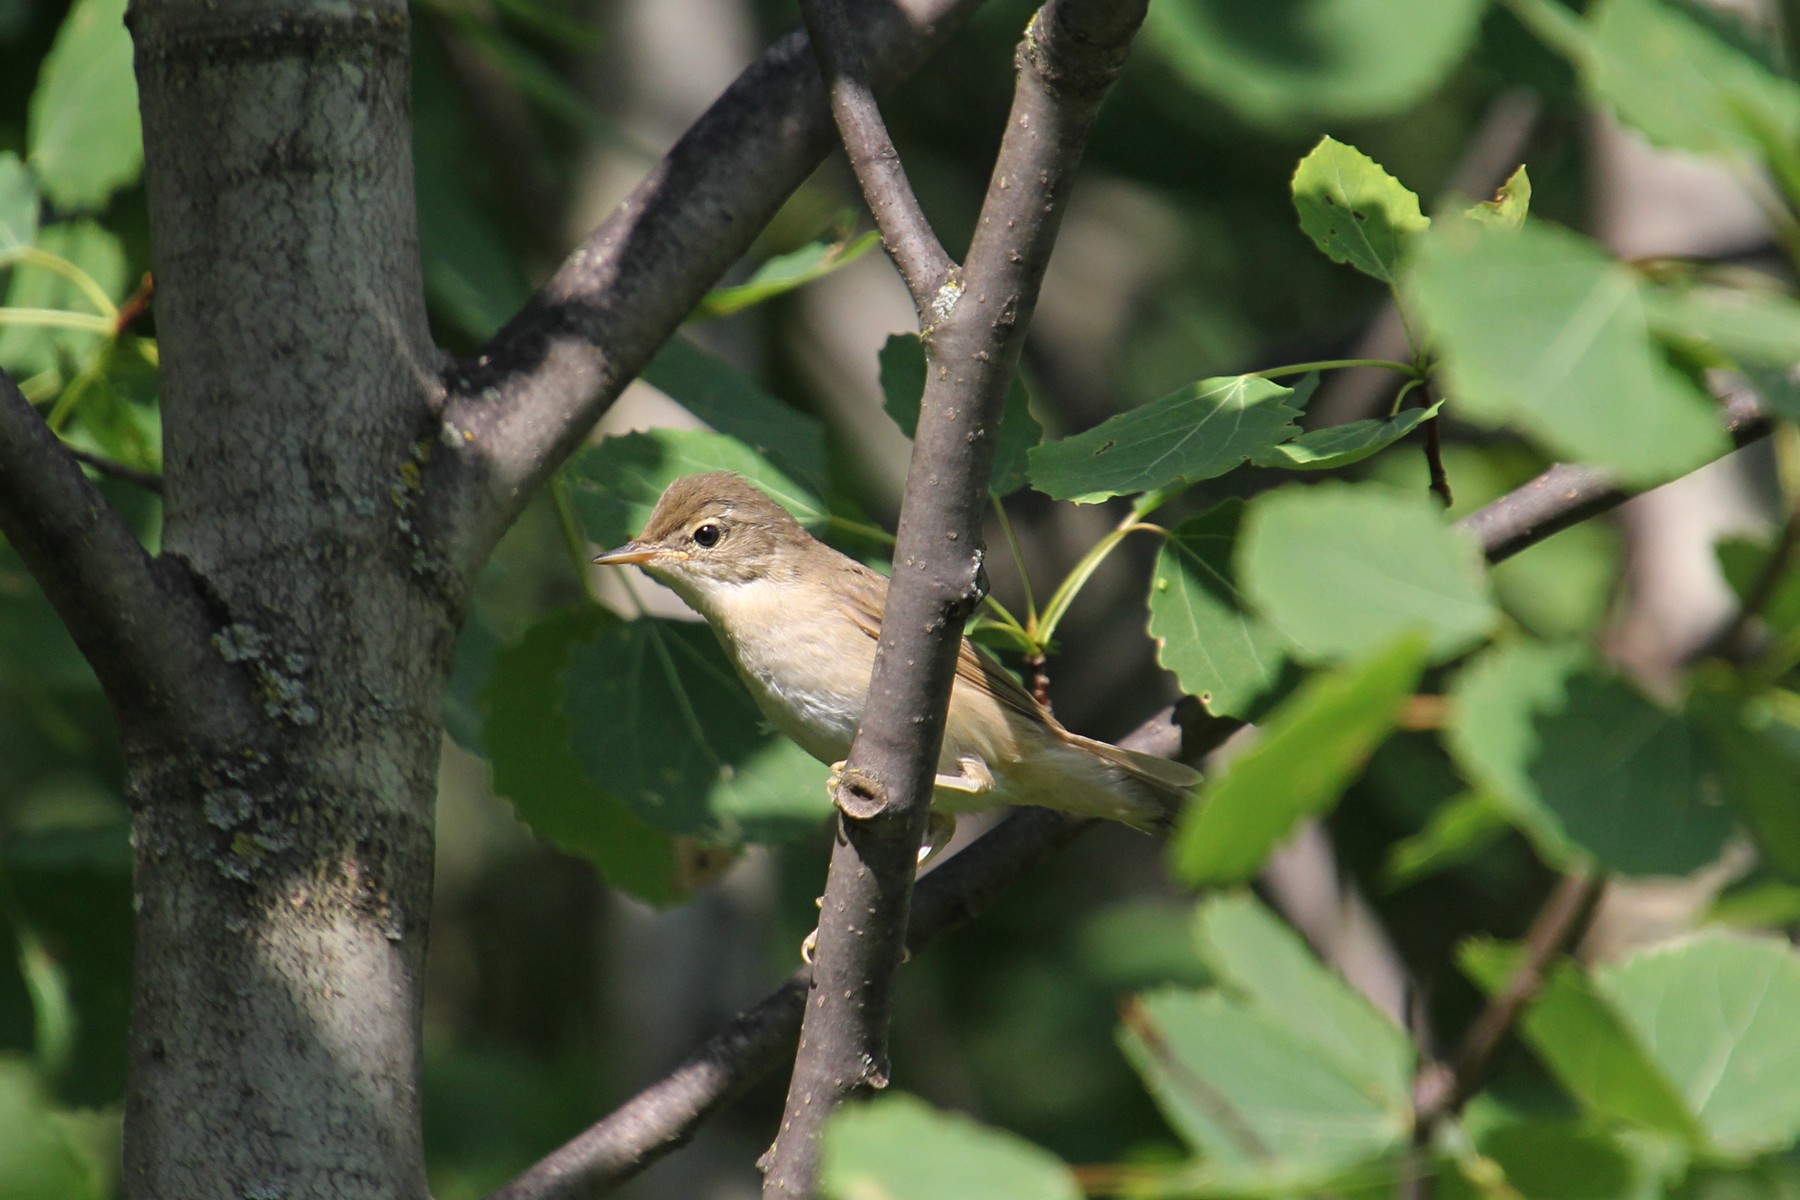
[(137, 619), (516, 408), (665, 1115), (918, 255), (1072, 53)]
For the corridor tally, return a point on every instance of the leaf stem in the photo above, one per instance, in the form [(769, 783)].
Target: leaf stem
[(1334, 364), (574, 540), (1018, 556), (1071, 586), (96, 295), (56, 318)]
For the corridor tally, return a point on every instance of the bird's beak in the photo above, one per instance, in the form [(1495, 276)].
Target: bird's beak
[(628, 554)]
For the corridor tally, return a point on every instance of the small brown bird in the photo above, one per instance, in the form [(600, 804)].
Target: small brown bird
[(800, 621)]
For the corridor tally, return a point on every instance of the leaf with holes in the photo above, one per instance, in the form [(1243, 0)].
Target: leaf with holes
[(1353, 210)]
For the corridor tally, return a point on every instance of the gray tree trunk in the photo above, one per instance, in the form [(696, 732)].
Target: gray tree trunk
[(283, 840)]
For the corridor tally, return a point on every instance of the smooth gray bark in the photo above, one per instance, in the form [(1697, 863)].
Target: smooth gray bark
[(283, 849)]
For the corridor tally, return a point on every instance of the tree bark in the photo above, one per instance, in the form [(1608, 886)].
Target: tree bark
[(283, 843)]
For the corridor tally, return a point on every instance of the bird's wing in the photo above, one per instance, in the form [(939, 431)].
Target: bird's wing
[(974, 666)]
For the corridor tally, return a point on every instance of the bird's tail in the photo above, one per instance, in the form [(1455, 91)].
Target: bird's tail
[(1148, 791)]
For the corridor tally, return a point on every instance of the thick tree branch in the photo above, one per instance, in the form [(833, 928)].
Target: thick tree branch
[(905, 232), (1071, 54), (137, 620), (515, 409)]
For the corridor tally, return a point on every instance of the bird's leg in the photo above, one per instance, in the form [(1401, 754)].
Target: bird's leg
[(971, 779)]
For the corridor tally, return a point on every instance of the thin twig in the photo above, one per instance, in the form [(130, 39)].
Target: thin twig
[(150, 481), (517, 407), (1442, 1089), (1567, 495), (1434, 464), (1071, 54), (906, 233)]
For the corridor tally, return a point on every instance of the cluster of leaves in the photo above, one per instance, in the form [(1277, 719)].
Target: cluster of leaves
[(1669, 1069), (1316, 611)]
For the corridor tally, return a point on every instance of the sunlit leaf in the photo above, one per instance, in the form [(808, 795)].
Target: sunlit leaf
[(900, 1148), (1310, 60), (734, 404), (1340, 445), (1341, 569), (1310, 749), (785, 272), (1510, 204), (1541, 329), (1716, 1014), (1587, 1043), (83, 132), (1267, 965), (1353, 210), (18, 204), (1199, 432)]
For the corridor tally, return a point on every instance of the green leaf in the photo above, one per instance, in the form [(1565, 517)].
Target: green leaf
[(1353, 210), (1510, 203), (1457, 832), (900, 1148), (117, 414), (733, 404), (42, 1161), (1249, 1090), (1743, 562), (1716, 1014), (472, 275), (27, 350), (1199, 432), (83, 123), (1309, 60), (527, 737), (1759, 757), (1582, 758), (786, 272), (1204, 631), (1747, 328), (616, 483), (1265, 963), (1340, 445), (903, 389), (1586, 1043), (471, 670), (1541, 329), (1343, 568), (1689, 78), (1492, 736), (1547, 1158), (1311, 747), (662, 721), (18, 205)]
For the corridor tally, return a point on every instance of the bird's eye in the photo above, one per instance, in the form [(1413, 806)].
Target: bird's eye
[(707, 536)]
